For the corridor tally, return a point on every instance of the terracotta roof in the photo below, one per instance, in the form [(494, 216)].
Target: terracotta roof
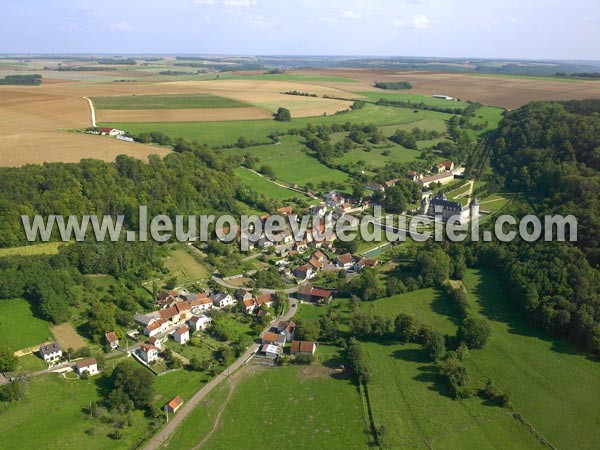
[(346, 258), (304, 289), (147, 347), (302, 347), (321, 293), (201, 299), (184, 329), (111, 336), (315, 263), (168, 312), (183, 306), (86, 363), (249, 302), (285, 210), (268, 336), (265, 298), (175, 403)]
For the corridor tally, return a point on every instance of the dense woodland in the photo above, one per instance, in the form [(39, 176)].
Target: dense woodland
[(21, 80)]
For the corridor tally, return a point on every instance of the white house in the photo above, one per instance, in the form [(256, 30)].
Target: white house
[(51, 352), (89, 366), (272, 351), (287, 328), (182, 335), (156, 327), (346, 260), (222, 299), (148, 353), (199, 322), (156, 341)]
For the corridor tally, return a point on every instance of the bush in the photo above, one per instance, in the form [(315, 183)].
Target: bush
[(475, 332)]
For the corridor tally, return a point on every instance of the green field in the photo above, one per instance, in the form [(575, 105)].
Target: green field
[(305, 406), (170, 101), (414, 98), (292, 164), (264, 186), (183, 264), (47, 248), (225, 133), (289, 77), (19, 328)]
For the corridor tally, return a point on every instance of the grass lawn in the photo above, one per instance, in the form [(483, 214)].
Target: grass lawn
[(47, 248), (264, 186), (168, 101), (227, 132), (304, 405), (19, 328)]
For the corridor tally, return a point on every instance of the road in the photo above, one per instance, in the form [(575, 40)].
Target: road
[(163, 435), (93, 111)]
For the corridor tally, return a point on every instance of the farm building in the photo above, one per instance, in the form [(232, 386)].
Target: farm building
[(303, 348), (287, 328), (174, 405), (271, 351), (112, 340), (269, 337)]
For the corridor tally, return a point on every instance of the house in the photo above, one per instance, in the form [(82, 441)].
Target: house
[(174, 405), (285, 210), (307, 292), (346, 260), (448, 165), (89, 366), (303, 348), (199, 322), (242, 294), (184, 309), (375, 187), (440, 206), (222, 299), (51, 352), (287, 328), (148, 352), (278, 339), (202, 303), (145, 319), (271, 351), (304, 272), (112, 340), (156, 341), (442, 178), (390, 183), (157, 327), (301, 246), (304, 291), (249, 305), (413, 175), (110, 132), (182, 335), (170, 313), (364, 262)]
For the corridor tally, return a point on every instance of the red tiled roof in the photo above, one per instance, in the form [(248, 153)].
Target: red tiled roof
[(346, 258), (86, 363), (201, 299), (183, 306), (184, 329), (175, 403), (168, 312), (111, 336), (302, 347)]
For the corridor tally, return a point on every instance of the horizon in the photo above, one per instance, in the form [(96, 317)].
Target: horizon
[(382, 28)]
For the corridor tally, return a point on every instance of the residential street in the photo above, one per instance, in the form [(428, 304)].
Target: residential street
[(187, 407)]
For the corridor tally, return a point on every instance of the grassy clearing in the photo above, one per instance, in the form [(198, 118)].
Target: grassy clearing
[(223, 133), (374, 156), (264, 186), (171, 101), (19, 328), (184, 265), (47, 248), (306, 405)]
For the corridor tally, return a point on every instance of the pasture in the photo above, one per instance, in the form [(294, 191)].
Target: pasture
[(265, 187), (408, 97), (19, 327), (46, 248), (311, 406), (184, 265)]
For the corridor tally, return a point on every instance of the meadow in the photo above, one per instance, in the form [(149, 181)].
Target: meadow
[(414, 98), (166, 101), (227, 132), (19, 328), (264, 186), (184, 265), (47, 248), (310, 406)]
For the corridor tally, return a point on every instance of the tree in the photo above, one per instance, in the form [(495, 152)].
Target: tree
[(456, 376), (475, 332), (267, 171), (307, 330), (405, 327), (8, 361), (133, 385), (435, 345), (283, 115)]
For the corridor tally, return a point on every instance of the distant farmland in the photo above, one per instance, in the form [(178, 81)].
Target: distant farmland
[(166, 101)]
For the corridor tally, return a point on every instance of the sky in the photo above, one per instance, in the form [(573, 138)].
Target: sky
[(527, 29)]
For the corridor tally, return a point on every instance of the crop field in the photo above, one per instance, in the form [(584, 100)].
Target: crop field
[(19, 328), (164, 101), (67, 337), (295, 77), (324, 411), (264, 186)]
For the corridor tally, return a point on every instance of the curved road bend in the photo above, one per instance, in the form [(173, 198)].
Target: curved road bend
[(163, 435)]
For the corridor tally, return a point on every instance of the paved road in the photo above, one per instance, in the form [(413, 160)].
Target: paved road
[(224, 283), (169, 428)]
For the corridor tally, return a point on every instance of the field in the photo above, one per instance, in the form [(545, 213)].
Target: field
[(47, 248), (182, 264), (414, 98), (67, 337), (311, 406), (223, 133), (179, 101), (264, 186), (19, 328)]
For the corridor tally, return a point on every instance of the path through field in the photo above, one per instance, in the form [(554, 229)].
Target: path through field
[(93, 111)]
